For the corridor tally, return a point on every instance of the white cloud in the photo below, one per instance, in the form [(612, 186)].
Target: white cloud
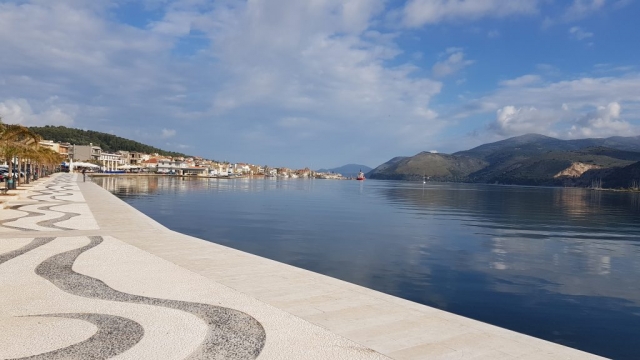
[(579, 33), (260, 65), (275, 69), (417, 13), (167, 133), (603, 122), (563, 109), (521, 81), (452, 64), (580, 9), (19, 111), (511, 120), (577, 94), (327, 66)]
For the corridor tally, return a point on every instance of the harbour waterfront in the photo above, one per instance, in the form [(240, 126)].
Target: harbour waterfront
[(559, 264), (85, 275)]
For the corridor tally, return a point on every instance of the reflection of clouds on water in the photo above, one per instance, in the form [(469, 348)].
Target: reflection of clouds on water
[(586, 269), (573, 242), (499, 255)]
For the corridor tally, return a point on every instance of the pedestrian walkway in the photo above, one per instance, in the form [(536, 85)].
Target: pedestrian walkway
[(85, 276)]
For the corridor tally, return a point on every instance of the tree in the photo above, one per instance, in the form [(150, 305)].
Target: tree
[(16, 140)]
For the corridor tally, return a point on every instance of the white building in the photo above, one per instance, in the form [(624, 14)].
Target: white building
[(110, 162), (166, 166)]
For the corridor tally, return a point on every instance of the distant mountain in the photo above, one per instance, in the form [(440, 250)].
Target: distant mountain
[(529, 160), (532, 144), (348, 170), (436, 166), (108, 142)]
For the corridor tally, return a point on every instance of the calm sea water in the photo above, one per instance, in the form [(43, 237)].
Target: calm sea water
[(558, 264)]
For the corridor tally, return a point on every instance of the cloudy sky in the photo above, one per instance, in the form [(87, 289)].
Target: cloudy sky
[(321, 83)]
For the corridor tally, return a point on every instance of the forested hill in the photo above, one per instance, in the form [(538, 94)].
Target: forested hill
[(108, 142), (530, 159)]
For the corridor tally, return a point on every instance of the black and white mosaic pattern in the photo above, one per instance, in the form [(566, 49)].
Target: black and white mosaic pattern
[(57, 205), (115, 335), (231, 334)]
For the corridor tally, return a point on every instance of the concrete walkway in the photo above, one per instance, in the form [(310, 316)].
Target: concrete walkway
[(85, 276)]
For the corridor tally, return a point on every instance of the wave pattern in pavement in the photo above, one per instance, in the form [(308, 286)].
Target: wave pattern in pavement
[(115, 335), (47, 206), (231, 334)]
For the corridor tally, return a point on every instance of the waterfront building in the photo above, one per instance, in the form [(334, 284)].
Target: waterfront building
[(150, 164), (85, 152), (195, 170), (124, 156), (242, 168), (166, 166), (110, 162), (135, 158), (60, 148)]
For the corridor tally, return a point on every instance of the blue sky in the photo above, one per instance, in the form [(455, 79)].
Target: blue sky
[(325, 82)]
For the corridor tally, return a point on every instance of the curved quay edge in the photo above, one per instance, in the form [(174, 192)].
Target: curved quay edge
[(232, 334), (115, 335)]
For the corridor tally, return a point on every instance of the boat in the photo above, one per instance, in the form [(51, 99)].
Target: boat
[(360, 176)]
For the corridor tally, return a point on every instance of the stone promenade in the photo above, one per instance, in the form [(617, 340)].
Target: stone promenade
[(85, 276)]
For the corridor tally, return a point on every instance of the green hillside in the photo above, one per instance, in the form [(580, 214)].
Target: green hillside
[(108, 142), (441, 167), (525, 160)]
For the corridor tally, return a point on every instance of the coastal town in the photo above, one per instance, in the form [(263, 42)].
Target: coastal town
[(93, 158)]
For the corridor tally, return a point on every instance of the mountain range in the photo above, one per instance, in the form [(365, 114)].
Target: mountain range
[(530, 159)]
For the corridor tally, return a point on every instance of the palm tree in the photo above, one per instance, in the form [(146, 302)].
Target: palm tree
[(46, 159), (16, 140), (39, 157)]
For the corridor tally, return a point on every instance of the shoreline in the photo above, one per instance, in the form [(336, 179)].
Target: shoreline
[(407, 181)]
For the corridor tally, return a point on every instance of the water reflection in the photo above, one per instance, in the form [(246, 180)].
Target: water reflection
[(574, 241), (555, 263)]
